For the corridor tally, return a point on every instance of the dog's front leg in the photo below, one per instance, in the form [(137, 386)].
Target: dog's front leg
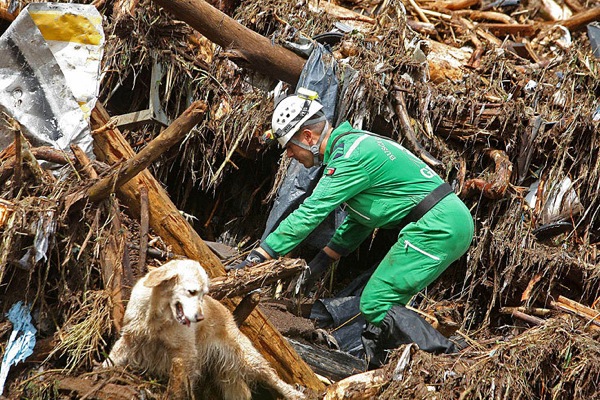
[(180, 385), (119, 355)]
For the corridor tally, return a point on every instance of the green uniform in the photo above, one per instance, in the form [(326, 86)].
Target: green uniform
[(379, 181)]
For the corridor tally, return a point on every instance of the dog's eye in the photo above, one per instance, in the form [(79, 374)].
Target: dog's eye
[(193, 292)]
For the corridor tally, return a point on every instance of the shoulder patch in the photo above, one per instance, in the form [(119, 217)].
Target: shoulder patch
[(329, 171)]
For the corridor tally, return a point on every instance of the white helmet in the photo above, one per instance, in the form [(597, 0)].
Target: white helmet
[(292, 112)]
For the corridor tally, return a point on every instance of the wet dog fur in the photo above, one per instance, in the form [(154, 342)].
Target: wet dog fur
[(171, 327)]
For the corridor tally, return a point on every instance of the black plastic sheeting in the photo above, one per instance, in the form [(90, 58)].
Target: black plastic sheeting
[(342, 314), (319, 75), (593, 31)]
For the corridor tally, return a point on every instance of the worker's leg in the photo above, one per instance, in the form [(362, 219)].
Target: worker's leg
[(423, 251)]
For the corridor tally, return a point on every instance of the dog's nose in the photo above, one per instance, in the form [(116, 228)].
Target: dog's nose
[(199, 317)]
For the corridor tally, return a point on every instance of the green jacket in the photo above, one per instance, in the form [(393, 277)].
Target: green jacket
[(378, 180)]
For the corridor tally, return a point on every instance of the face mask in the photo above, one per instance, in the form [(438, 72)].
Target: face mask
[(314, 149)]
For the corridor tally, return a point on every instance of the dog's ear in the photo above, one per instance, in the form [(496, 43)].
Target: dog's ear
[(158, 276)]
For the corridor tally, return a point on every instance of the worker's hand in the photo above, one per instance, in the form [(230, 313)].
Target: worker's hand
[(313, 272), (255, 257)]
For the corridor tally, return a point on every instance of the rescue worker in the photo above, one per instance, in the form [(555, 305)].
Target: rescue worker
[(382, 185)]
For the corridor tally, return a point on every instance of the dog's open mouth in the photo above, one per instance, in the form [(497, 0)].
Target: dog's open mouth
[(180, 316)]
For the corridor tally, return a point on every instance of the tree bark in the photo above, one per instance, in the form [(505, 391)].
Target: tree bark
[(166, 221), (240, 282), (580, 20), (245, 47), (332, 364)]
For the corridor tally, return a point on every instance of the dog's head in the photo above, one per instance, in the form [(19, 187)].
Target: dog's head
[(183, 284)]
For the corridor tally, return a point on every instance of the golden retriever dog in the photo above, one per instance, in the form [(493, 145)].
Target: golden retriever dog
[(173, 330)]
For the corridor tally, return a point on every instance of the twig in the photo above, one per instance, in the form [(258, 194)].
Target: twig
[(18, 172), (84, 163), (527, 318), (419, 11), (227, 160), (409, 134)]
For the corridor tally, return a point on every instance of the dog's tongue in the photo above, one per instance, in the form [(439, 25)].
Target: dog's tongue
[(186, 322)]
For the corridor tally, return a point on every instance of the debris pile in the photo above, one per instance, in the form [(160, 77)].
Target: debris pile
[(499, 97)]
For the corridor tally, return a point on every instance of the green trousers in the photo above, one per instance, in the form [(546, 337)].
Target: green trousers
[(423, 251)]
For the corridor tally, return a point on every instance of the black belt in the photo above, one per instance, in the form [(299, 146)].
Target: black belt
[(426, 204)]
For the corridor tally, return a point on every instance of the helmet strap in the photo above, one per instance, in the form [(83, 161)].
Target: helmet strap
[(314, 149)]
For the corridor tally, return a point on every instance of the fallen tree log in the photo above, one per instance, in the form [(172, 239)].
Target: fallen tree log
[(245, 47), (332, 364), (167, 221), (242, 281)]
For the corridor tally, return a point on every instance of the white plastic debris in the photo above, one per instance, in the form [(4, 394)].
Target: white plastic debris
[(50, 73), (21, 342), (531, 85), (559, 200), (45, 228)]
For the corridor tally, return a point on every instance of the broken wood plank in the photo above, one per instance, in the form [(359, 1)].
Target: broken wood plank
[(245, 307), (511, 29), (563, 307), (122, 8), (167, 222), (446, 62), (245, 47), (83, 163), (111, 263), (18, 173), (583, 309)]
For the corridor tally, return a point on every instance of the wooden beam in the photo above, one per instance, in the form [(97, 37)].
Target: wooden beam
[(245, 47), (167, 221)]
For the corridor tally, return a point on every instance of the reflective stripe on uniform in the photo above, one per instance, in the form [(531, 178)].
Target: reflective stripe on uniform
[(355, 145)]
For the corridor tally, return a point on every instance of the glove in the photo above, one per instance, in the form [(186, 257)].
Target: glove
[(313, 272), (251, 260)]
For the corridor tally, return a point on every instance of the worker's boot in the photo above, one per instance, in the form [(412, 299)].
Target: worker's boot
[(402, 326)]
